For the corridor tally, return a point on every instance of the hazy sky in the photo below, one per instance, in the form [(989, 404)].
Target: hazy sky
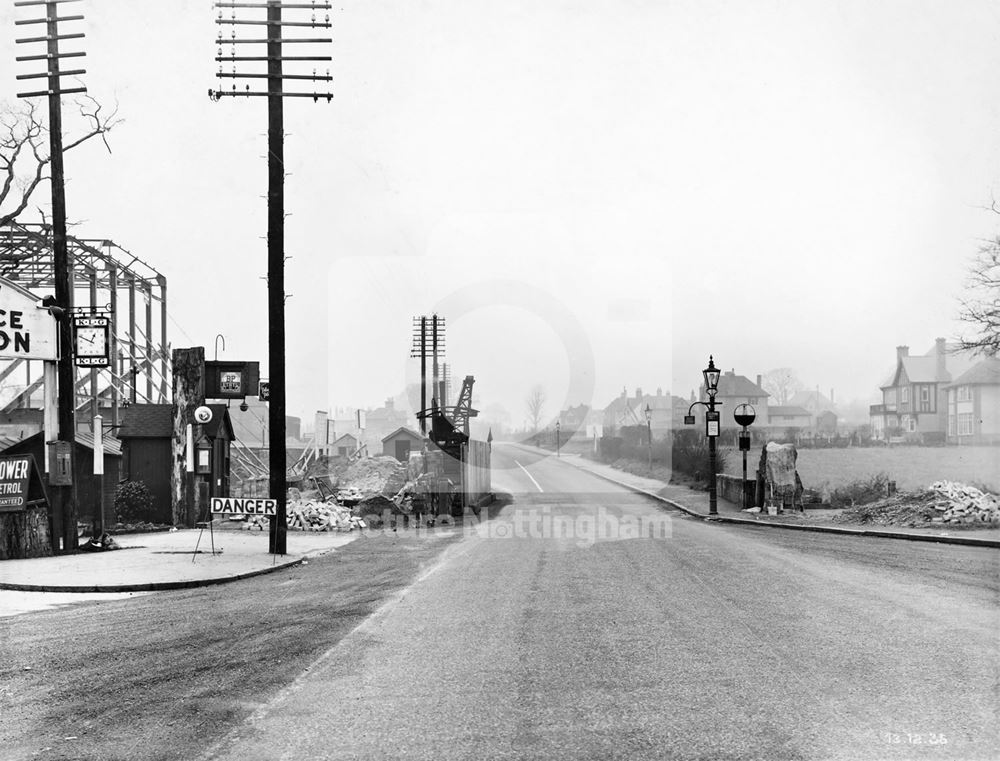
[(594, 194)]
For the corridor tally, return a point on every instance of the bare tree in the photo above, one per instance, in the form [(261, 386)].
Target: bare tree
[(781, 384), (980, 308), (24, 149), (535, 403)]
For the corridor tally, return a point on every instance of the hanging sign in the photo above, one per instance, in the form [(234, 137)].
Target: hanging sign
[(712, 423), (27, 331), (91, 339)]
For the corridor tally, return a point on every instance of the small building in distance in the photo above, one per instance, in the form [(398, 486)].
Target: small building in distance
[(401, 442)]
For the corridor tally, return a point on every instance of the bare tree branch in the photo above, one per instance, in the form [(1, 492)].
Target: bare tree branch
[(24, 158), (980, 309)]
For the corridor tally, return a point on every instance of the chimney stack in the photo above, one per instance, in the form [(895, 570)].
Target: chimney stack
[(940, 349), (759, 378), (638, 393), (902, 351), (659, 391)]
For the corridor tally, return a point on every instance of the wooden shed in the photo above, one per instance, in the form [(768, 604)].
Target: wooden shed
[(146, 432), (401, 442), (87, 498)]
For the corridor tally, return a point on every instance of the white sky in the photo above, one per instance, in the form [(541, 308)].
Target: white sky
[(624, 187)]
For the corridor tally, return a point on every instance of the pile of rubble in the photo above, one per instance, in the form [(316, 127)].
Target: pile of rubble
[(959, 503), (369, 476), (313, 515), (944, 502)]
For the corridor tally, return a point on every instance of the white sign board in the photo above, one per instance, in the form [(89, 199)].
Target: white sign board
[(244, 506), (27, 331)]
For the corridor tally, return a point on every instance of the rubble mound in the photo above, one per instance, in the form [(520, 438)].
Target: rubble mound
[(370, 476), (959, 503), (313, 515), (945, 502)]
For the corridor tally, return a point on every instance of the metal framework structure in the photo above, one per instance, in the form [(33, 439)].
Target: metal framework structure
[(107, 279)]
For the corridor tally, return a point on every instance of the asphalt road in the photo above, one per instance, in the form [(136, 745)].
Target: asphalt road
[(552, 632)]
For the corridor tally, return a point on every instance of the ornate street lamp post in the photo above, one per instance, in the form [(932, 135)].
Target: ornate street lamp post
[(557, 438), (711, 375), (649, 436)]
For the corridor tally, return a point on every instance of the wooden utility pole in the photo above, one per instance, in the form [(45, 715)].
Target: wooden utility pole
[(275, 95), (65, 508)]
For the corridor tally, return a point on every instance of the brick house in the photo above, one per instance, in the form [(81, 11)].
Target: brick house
[(973, 404)]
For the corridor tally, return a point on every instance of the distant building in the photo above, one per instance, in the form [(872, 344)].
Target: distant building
[(914, 398), (783, 417), (345, 445), (401, 442), (733, 391), (973, 404)]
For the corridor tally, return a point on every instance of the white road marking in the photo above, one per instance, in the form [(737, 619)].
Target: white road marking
[(529, 476)]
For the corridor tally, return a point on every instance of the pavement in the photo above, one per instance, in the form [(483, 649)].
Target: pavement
[(167, 560), (696, 503)]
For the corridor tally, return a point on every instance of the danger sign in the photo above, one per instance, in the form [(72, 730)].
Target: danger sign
[(244, 506)]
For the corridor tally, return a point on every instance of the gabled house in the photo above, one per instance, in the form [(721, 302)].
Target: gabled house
[(733, 391), (344, 446), (666, 412), (973, 404), (784, 416), (813, 401), (914, 404), (401, 442)]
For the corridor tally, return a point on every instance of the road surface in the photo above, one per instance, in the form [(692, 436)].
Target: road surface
[(554, 633)]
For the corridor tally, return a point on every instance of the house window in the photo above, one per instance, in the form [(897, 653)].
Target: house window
[(964, 394), (951, 425), (911, 424), (925, 399), (904, 394), (965, 424)]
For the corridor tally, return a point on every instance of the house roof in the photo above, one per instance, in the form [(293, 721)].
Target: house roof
[(804, 397), (146, 421), (344, 437), (985, 373), (787, 409), (84, 440), (403, 430), (156, 421), (731, 384), (925, 368)]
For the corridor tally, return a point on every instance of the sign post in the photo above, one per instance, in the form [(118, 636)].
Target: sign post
[(99, 475)]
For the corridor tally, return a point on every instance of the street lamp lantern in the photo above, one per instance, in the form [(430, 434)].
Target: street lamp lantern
[(711, 375), (649, 414)]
